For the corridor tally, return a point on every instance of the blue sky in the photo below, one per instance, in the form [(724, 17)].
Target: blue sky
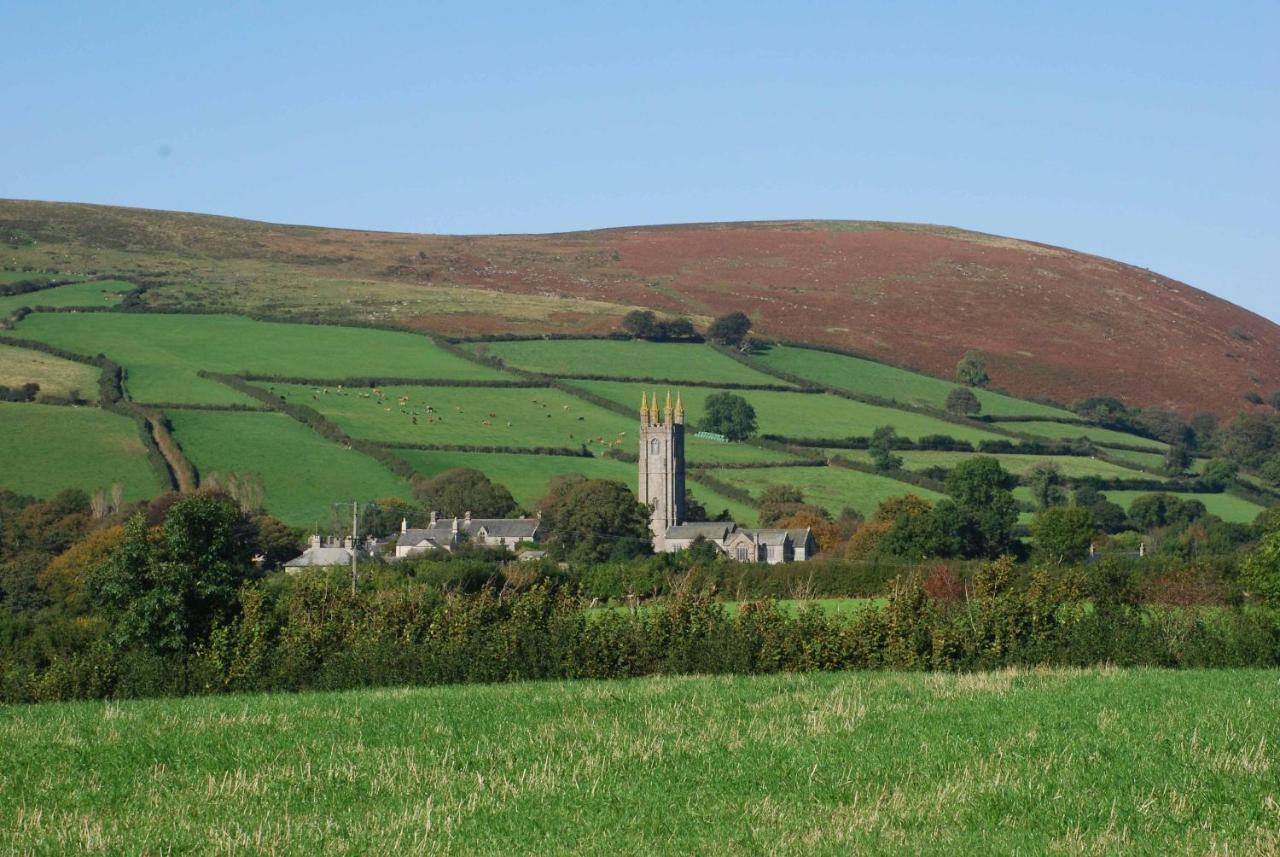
[(1147, 132)]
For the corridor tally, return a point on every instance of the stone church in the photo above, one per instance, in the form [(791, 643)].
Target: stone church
[(662, 489)]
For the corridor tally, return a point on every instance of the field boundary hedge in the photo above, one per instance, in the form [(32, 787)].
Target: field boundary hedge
[(361, 381), (562, 451)]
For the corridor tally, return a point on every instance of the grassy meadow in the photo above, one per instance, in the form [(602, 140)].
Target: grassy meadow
[(1092, 761), (625, 359), (56, 377), (804, 415), (303, 473), (889, 382), (163, 353), (1066, 431), (48, 448), (92, 294), (832, 488)]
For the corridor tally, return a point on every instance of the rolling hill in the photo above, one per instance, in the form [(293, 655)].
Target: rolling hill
[(1053, 323)]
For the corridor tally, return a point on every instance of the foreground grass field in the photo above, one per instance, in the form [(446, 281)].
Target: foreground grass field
[(1076, 762), (47, 448), (163, 353)]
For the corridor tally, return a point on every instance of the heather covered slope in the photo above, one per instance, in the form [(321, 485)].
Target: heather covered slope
[(1052, 322)]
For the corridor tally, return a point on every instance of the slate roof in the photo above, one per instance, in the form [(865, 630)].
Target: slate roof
[(505, 528), (710, 530), (315, 557)]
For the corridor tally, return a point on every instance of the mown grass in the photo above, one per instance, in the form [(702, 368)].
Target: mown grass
[(303, 473), (526, 476), (163, 353), (804, 415), (832, 488), (1069, 465), (56, 377), (1016, 762), (97, 293), (1066, 431), (900, 385), (629, 359), (47, 448)]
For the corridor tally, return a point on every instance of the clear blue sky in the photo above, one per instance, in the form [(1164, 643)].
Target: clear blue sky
[(1143, 131)]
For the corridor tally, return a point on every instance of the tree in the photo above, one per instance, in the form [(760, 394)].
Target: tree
[(1157, 511), (729, 329), (939, 532), (1048, 488), (163, 590), (1101, 409), (972, 370), (883, 440), (1177, 459), (640, 323), (678, 328), (730, 415), (1247, 439), (456, 492), (962, 402), (594, 520), (1260, 573), (982, 491), (1063, 534), (1274, 400), (869, 537), (1220, 472), (1270, 469), (778, 501)]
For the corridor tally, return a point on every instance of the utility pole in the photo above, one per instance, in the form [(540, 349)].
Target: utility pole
[(354, 545)]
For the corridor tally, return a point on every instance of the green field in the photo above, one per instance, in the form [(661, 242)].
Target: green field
[(163, 353), (631, 359), (55, 376), (1097, 761), (526, 476), (303, 473), (1228, 507), (1066, 431), (47, 448), (804, 415), (832, 488), (877, 379), (1069, 465), (98, 293)]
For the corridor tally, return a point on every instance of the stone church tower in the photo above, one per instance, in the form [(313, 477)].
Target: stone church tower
[(662, 465)]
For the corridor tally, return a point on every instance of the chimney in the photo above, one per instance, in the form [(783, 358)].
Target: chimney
[(404, 524), (467, 519), (433, 518), (454, 529), (315, 540), (346, 543)]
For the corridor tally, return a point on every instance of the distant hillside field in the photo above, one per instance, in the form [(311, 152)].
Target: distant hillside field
[(1053, 323), (673, 361), (1098, 761)]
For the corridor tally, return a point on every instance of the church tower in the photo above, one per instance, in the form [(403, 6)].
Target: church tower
[(662, 464)]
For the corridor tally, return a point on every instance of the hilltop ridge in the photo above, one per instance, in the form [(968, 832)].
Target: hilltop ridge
[(1053, 323)]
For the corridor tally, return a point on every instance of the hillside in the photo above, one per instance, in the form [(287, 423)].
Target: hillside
[(1053, 323)]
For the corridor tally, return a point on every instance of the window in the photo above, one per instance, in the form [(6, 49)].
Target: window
[(655, 446), (743, 553)]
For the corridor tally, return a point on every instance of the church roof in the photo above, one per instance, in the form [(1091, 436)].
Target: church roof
[(711, 530)]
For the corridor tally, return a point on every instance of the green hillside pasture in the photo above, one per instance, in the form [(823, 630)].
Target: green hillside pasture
[(1070, 465), (804, 414), (1093, 761), (909, 388), (303, 473), (492, 416), (1228, 507), (832, 488), (47, 448), (1151, 462), (163, 353), (526, 476), (1066, 431), (97, 293), (625, 359), (55, 376), (24, 276)]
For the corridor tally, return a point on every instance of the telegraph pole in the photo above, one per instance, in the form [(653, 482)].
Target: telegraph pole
[(354, 545)]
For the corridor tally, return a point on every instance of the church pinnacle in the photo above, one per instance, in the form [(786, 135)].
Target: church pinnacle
[(644, 409)]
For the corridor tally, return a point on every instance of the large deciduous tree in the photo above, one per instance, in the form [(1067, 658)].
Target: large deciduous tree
[(594, 520), (730, 329), (730, 415), (456, 492)]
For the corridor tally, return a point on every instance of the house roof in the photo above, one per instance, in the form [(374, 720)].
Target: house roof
[(710, 530), (508, 528), (320, 557)]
